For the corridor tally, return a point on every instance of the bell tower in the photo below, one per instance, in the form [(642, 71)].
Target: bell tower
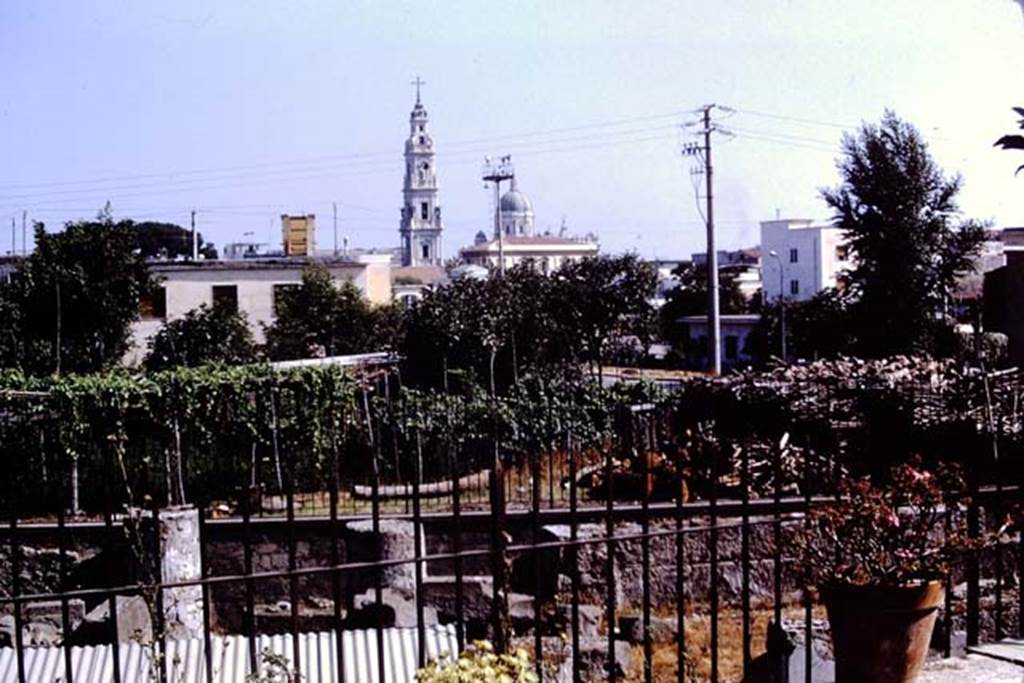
[(420, 227)]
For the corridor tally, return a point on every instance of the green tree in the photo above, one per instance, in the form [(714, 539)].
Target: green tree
[(75, 297), (322, 318), (821, 327), (603, 303), (167, 240), (690, 297), (900, 217), (203, 335), (1014, 141)]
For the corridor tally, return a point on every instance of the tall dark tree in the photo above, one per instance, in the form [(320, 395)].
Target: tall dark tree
[(322, 318), (203, 335), (75, 297), (1014, 141), (900, 216)]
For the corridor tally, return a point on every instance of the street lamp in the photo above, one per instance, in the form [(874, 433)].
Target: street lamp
[(782, 303)]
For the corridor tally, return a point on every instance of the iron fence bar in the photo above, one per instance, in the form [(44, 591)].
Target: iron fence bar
[(574, 568), (65, 608), (15, 550), (535, 490), (418, 552), (108, 521), (947, 608), (362, 566), (997, 515), (973, 568), (610, 616), (293, 588), (680, 543), (625, 511), (204, 570), (159, 624), (460, 629), (745, 559), (339, 650), (498, 544), (646, 448), (250, 584), (378, 588), (808, 605), (713, 569)]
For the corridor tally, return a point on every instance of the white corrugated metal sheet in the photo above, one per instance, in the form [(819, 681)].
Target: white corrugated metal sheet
[(186, 662)]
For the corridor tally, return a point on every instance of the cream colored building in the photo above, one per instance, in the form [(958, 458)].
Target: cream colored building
[(250, 286), (518, 242)]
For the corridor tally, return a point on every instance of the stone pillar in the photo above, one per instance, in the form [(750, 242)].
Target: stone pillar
[(180, 560), (397, 541)]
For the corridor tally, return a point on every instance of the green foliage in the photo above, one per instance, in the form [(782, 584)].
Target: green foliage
[(181, 433), (1014, 141), (169, 241), (497, 330), (599, 301), (480, 664), (203, 335), (820, 327), (320, 318), (73, 300), (900, 216)]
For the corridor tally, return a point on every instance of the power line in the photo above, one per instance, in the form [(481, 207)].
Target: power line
[(190, 186), (348, 157)]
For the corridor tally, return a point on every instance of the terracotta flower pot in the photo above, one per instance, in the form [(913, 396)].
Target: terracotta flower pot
[(881, 634)]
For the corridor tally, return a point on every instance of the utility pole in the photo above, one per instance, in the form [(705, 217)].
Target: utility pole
[(495, 173), (714, 323), (24, 232), (335, 206), (195, 238), (14, 238)]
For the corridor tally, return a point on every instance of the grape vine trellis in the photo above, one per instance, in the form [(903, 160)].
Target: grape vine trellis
[(212, 434)]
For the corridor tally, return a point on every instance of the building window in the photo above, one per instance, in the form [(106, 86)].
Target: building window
[(280, 292), (426, 251), (732, 346), (424, 210), (842, 252), (153, 305), (226, 296), (423, 140), (794, 287), (794, 256)]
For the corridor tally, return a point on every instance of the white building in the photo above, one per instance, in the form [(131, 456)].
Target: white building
[(250, 286), (735, 330), (519, 243), (801, 257), (421, 226)]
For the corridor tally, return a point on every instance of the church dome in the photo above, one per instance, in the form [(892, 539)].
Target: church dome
[(515, 201)]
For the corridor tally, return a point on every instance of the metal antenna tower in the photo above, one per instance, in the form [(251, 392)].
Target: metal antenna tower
[(494, 172)]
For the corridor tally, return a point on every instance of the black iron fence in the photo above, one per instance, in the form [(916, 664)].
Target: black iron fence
[(670, 551)]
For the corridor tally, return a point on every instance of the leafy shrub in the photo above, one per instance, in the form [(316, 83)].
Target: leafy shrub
[(480, 664)]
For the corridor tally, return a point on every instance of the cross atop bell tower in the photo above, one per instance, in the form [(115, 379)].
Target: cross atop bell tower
[(420, 226), (418, 82)]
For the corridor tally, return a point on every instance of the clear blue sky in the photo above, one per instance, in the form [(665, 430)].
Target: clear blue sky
[(245, 110)]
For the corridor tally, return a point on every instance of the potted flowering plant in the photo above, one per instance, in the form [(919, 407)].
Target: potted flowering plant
[(878, 556)]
